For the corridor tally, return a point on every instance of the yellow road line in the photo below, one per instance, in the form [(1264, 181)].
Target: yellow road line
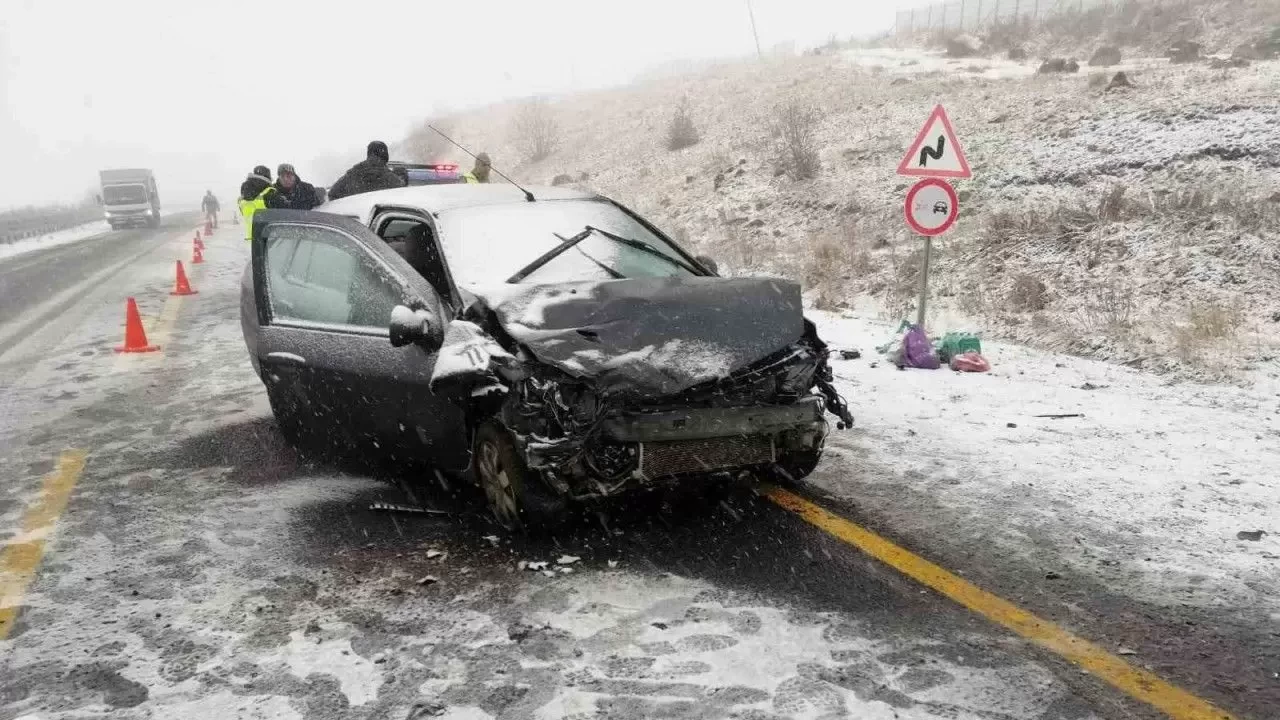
[(19, 560), (1138, 683)]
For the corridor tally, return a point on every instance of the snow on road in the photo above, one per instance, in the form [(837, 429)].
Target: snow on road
[(54, 239), (1145, 493)]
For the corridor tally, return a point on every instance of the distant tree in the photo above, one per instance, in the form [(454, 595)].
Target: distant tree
[(792, 127), (535, 130), (681, 132)]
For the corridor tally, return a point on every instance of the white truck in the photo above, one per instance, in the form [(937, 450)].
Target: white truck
[(130, 198)]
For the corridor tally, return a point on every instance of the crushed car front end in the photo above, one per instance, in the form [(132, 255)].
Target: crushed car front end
[(609, 388)]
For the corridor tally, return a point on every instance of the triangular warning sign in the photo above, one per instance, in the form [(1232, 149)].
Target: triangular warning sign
[(936, 151)]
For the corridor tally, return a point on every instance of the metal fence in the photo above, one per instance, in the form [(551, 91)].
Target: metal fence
[(974, 15), (29, 222)]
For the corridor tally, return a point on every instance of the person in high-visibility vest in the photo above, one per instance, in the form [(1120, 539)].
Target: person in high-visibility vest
[(479, 173), (257, 193)]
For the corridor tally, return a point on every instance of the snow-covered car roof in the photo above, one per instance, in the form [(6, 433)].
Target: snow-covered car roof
[(437, 198)]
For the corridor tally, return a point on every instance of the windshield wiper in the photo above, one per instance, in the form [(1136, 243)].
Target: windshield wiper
[(552, 254), (643, 247), (568, 242)]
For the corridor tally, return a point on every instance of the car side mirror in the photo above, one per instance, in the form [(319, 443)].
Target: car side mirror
[(708, 263), (409, 326)]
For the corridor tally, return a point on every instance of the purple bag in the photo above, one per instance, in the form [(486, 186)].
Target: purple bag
[(917, 351)]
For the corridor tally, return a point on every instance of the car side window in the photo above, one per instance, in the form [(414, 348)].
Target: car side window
[(319, 275)]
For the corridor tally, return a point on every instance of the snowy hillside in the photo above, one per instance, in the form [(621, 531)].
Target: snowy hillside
[(1136, 224)]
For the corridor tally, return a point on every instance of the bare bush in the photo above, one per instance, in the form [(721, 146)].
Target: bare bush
[(535, 130), (1111, 308), (1205, 324), (1027, 294), (681, 132), (793, 126)]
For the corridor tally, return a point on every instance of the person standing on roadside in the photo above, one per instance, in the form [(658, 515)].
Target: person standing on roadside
[(368, 175), (299, 194), (210, 207), (480, 171), (257, 193)]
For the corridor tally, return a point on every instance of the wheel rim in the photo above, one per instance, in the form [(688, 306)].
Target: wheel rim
[(497, 487)]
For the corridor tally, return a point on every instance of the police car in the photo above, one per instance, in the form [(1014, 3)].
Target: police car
[(427, 173)]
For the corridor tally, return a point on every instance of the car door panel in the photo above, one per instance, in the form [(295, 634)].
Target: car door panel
[(324, 306)]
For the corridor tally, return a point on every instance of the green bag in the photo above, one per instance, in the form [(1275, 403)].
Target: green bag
[(957, 343)]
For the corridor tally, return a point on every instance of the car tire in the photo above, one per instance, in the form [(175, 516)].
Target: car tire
[(286, 414), (794, 466), (517, 498)]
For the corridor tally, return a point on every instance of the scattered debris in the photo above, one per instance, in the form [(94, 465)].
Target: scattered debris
[(1251, 535), (1059, 416), (417, 509), (659, 625), (1091, 386), (493, 540), (1011, 425), (567, 560), (428, 580), (549, 573), (432, 554), (1051, 575), (1126, 651), (613, 564), (850, 354)]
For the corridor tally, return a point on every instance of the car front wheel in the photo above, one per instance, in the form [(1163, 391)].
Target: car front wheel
[(515, 494)]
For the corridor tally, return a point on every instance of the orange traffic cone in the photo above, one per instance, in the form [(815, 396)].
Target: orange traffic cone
[(197, 257), (196, 242), (135, 337), (181, 286)]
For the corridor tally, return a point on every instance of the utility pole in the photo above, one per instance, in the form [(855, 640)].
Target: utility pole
[(754, 32)]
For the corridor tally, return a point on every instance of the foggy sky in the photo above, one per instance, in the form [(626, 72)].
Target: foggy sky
[(201, 92)]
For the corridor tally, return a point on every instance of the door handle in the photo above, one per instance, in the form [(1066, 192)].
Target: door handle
[(287, 358)]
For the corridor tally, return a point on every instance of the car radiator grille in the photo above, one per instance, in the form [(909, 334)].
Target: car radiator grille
[(675, 457)]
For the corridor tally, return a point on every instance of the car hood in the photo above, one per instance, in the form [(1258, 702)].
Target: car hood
[(649, 337)]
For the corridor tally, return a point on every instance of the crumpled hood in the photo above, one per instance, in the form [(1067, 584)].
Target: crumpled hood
[(650, 337)]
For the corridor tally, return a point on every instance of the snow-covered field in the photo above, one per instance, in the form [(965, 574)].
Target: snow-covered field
[(1146, 490)]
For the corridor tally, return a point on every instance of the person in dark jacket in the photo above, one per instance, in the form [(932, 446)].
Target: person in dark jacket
[(209, 205), (368, 175), (257, 193), (299, 194)]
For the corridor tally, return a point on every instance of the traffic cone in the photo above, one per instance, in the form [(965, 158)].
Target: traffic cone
[(135, 337), (197, 257), (180, 285), (196, 242)]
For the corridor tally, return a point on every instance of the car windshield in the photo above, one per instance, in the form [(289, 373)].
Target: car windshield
[(488, 244), (124, 194)]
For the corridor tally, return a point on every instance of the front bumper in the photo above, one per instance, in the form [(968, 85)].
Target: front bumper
[(641, 448)]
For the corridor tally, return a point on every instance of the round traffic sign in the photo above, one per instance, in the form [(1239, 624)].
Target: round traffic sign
[(932, 207)]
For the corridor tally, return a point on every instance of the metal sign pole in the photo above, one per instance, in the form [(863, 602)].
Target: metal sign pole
[(924, 281)]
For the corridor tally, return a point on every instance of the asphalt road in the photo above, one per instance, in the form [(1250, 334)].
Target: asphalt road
[(164, 554), (29, 282)]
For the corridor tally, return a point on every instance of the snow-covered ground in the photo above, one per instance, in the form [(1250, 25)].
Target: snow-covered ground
[(1144, 492), (54, 239)]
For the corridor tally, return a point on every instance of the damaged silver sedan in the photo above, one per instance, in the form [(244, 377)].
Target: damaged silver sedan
[(550, 345)]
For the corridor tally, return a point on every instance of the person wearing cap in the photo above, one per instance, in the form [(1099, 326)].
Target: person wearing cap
[(257, 193), (299, 194), (480, 172), (367, 175)]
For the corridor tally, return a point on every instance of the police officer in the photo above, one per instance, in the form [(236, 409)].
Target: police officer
[(257, 193), (479, 173)]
